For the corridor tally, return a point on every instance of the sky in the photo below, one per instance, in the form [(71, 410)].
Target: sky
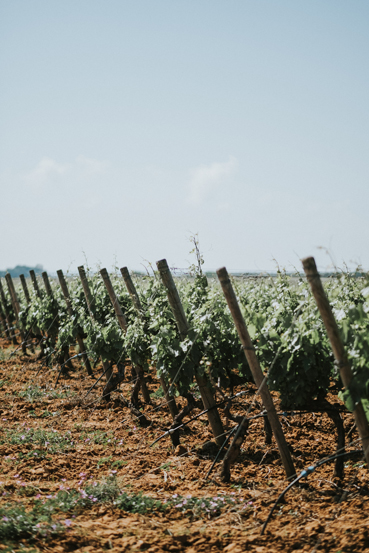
[(129, 126)]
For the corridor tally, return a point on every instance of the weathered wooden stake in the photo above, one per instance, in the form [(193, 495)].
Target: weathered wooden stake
[(38, 294), (7, 314), (137, 304), (256, 371), (35, 283), (81, 345), (89, 299), (123, 325), (338, 349), (47, 284), (3, 322), (35, 328), (131, 289), (65, 349), (16, 307), (25, 288), (183, 327)]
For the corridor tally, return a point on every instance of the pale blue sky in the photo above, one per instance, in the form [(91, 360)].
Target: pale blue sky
[(128, 125)]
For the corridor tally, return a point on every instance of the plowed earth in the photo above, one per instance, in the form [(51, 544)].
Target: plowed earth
[(321, 514)]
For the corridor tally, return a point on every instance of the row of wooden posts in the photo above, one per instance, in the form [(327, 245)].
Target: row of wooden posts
[(183, 328)]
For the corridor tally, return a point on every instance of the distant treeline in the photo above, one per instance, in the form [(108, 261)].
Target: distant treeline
[(22, 270)]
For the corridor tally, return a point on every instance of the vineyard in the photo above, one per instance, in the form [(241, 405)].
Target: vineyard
[(184, 413)]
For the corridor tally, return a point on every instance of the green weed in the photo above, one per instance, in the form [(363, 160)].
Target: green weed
[(36, 393), (103, 461), (97, 437), (16, 523), (118, 464), (159, 393), (42, 442)]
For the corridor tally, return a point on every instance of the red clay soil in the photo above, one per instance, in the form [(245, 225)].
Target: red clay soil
[(322, 514)]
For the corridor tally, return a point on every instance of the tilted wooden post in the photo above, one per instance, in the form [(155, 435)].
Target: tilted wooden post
[(256, 370), (89, 299), (49, 292), (114, 300), (81, 345), (338, 349), (183, 327), (47, 284), (16, 307), (131, 289), (28, 300), (3, 322), (123, 325), (9, 322), (13, 295), (25, 288), (35, 283), (48, 288), (137, 304)]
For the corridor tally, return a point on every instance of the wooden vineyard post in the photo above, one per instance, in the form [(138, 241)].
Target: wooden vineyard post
[(183, 327), (337, 346), (123, 325), (256, 371), (3, 322), (49, 292), (35, 283), (3, 315), (81, 345), (131, 289), (86, 289), (42, 334), (28, 300), (114, 300), (137, 304), (7, 314), (16, 307), (25, 288), (48, 288)]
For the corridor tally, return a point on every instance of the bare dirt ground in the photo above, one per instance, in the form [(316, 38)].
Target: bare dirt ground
[(103, 442)]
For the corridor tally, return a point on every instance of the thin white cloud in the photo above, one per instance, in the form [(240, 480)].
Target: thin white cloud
[(206, 178), (91, 167), (49, 172), (46, 171)]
